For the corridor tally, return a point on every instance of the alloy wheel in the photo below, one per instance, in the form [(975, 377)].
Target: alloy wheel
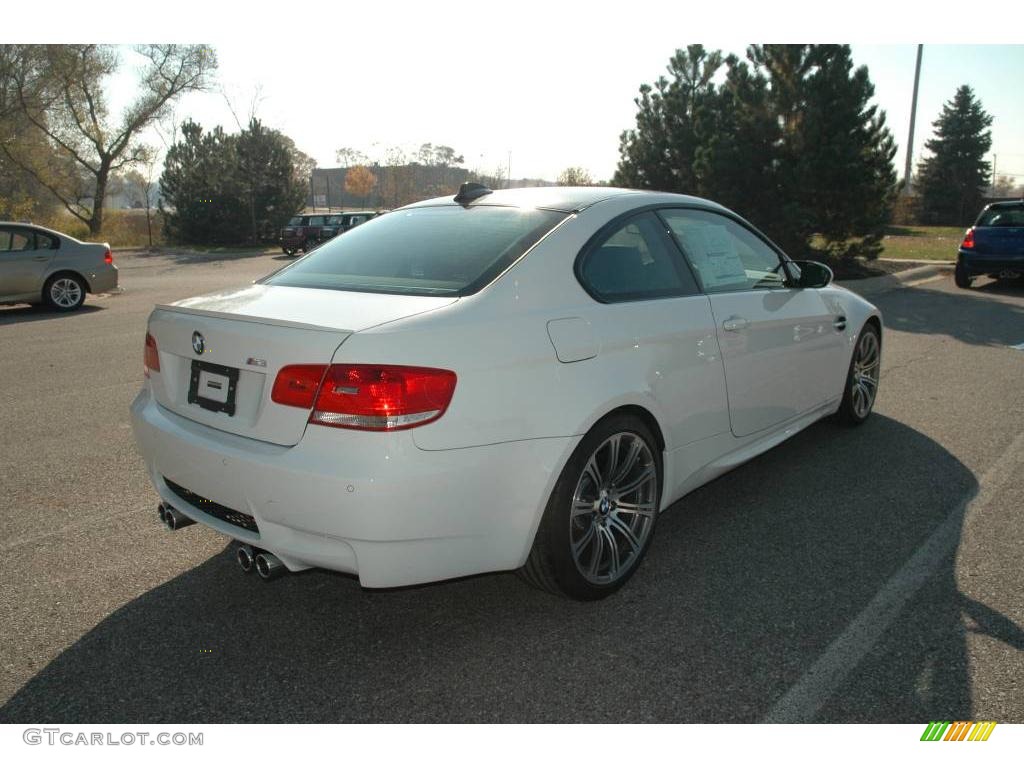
[(864, 382), (66, 293), (613, 508)]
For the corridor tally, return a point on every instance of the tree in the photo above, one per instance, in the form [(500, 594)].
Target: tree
[(59, 91), (269, 180), (952, 181), (22, 196), (1006, 186), (789, 139), (847, 182), (349, 157), (360, 181), (659, 153), (575, 176), (228, 188)]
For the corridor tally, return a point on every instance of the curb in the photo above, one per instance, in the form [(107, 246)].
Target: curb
[(903, 279)]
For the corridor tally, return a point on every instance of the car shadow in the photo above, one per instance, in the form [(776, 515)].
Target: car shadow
[(934, 312), (1002, 287), (747, 582), (30, 313)]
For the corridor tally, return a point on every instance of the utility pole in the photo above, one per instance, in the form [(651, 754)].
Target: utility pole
[(913, 118), (993, 192), (508, 184)]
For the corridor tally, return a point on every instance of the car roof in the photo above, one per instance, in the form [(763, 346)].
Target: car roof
[(567, 199), (1005, 204), (39, 227)]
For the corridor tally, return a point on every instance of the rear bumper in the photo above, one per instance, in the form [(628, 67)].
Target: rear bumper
[(366, 503), (984, 264), (103, 280)]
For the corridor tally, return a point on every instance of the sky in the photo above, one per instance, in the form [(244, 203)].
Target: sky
[(541, 87)]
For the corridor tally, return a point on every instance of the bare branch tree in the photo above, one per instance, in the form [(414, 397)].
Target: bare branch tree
[(59, 91)]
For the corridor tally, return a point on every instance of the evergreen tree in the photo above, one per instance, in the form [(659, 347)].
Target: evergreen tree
[(659, 153), (789, 140), (737, 135), (846, 174), (225, 188), (952, 180)]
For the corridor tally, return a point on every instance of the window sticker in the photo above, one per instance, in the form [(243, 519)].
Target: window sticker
[(713, 251)]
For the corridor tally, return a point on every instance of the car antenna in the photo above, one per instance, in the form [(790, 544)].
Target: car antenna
[(471, 191)]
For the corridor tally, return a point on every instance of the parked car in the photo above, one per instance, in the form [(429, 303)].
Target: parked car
[(994, 246), (337, 223), (302, 233), (521, 379), (42, 266)]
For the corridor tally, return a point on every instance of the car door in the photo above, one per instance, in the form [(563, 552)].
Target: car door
[(22, 264), (655, 322), (781, 345)]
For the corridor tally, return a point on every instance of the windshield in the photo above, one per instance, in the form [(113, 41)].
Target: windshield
[(430, 251), (294, 221)]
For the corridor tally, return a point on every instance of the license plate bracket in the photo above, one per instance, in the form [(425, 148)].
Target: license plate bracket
[(210, 375)]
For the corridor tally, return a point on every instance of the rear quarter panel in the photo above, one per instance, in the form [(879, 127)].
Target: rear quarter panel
[(511, 384)]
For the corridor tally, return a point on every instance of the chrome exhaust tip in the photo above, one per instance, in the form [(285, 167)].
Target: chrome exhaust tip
[(269, 567), (174, 519), (245, 557)]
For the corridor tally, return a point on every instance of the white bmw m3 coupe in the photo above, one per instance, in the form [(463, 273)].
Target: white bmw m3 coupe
[(519, 379)]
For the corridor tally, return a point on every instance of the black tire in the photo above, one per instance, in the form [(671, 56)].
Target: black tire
[(551, 565), (64, 292), (850, 412), (289, 251), (960, 277)]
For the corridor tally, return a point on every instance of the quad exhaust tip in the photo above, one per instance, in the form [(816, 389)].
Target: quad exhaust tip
[(269, 567), (245, 557), (173, 518)]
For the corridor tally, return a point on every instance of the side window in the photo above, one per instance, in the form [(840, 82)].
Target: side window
[(21, 240), (636, 261), (316, 221), (45, 242), (5, 239), (724, 255)]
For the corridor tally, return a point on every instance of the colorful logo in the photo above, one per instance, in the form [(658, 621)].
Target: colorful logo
[(961, 730)]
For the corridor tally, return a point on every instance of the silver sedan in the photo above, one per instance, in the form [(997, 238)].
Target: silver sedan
[(41, 266)]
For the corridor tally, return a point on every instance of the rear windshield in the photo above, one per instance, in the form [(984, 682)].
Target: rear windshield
[(1002, 217), (443, 250)]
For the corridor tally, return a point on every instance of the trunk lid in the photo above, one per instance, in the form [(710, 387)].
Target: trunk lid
[(247, 336)]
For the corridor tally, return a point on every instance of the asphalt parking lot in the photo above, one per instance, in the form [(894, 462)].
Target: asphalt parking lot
[(865, 575)]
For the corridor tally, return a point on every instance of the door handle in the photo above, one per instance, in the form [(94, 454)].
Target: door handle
[(840, 323), (40, 258), (735, 323)]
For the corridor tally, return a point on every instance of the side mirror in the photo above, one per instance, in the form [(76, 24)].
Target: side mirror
[(808, 274)]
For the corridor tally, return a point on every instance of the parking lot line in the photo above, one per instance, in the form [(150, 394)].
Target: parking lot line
[(802, 702)]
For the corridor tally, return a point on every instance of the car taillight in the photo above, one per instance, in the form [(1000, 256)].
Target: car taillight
[(968, 239), (150, 356), (297, 385), (379, 398), (108, 257)]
